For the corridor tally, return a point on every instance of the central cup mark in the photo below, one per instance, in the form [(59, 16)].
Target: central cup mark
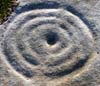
[(52, 38)]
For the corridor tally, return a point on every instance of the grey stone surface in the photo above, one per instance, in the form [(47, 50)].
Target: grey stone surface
[(51, 43)]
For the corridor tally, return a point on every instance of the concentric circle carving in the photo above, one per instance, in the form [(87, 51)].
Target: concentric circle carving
[(47, 40)]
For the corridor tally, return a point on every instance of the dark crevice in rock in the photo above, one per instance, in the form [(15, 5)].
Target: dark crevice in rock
[(61, 73), (52, 38), (15, 64)]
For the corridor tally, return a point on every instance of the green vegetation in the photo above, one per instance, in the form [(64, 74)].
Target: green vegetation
[(5, 8)]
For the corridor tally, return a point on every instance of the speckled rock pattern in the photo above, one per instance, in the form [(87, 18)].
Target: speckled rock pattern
[(51, 43)]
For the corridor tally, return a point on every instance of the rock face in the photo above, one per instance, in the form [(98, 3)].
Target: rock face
[(51, 43)]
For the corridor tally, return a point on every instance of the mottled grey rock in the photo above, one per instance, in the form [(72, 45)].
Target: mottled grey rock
[(51, 43)]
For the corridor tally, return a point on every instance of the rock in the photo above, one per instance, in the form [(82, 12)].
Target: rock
[(51, 43)]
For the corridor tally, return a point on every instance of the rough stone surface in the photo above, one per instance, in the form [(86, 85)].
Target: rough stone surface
[(51, 43)]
